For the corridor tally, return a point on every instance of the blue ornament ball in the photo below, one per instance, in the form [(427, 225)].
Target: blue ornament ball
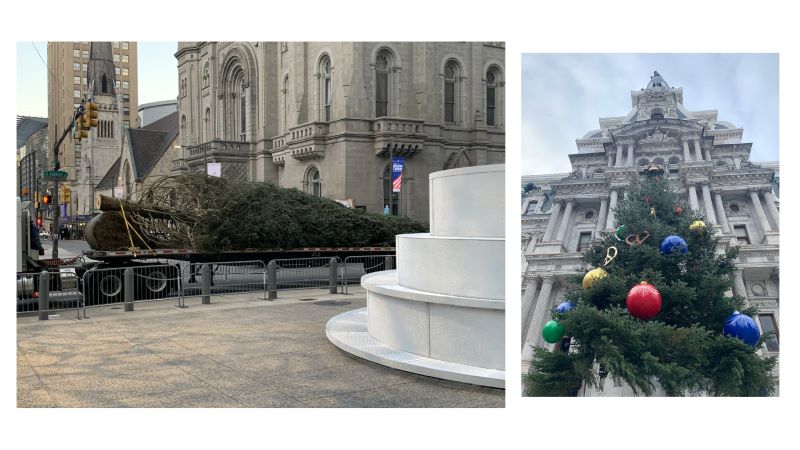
[(743, 327), (672, 244), (564, 307)]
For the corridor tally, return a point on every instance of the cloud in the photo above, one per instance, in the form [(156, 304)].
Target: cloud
[(564, 95)]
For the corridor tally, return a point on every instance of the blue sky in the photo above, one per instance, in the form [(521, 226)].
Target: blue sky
[(564, 95), (158, 75)]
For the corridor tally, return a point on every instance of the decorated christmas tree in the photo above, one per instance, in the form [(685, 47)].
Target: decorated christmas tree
[(654, 311)]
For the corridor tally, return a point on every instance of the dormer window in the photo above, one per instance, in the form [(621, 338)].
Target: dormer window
[(657, 115)]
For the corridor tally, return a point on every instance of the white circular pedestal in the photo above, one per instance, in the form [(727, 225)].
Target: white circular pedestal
[(442, 312)]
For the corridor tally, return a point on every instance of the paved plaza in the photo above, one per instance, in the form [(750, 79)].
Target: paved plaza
[(240, 351)]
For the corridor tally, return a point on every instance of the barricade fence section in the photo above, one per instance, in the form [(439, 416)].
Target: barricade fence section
[(305, 273), (161, 280), (47, 292), (354, 267), (221, 278)]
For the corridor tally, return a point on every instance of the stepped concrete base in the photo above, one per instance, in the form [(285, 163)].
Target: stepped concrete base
[(348, 331)]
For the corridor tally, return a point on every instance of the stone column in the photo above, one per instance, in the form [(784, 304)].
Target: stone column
[(601, 219), (709, 207), (562, 230), (539, 318), (762, 216), (723, 218), (707, 152), (686, 156), (739, 287), (527, 306), (551, 224), (693, 197), (769, 198), (610, 160), (619, 155), (697, 152), (611, 206), (630, 155)]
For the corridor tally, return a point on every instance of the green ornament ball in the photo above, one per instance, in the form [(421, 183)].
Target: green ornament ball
[(620, 232), (552, 332)]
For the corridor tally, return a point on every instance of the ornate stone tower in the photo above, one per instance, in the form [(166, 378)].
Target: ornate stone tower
[(105, 142)]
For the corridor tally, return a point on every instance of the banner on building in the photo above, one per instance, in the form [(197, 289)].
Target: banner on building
[(397, 173), (214, 169)]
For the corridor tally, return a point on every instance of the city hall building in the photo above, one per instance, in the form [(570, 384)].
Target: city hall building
[(705, 160), (328, 117)]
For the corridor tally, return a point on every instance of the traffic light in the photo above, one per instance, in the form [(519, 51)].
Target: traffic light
[(65, 193), (89, 116), (47, 199), (38, 221), (78, 131)]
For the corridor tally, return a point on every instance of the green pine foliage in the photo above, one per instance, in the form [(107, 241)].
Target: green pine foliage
[(240, 215), (683, 347)]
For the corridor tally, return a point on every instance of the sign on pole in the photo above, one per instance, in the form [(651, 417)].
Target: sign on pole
[(215, 169), (397, 173)]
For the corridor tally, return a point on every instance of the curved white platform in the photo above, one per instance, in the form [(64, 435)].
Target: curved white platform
[(462, 266), (348, 331), (442, 312)]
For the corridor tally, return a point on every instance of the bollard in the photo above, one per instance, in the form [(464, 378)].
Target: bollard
[(44, 295), (205, 273), (272, 279), (334, 272), (128, 288), (181, 303), (388, 263)]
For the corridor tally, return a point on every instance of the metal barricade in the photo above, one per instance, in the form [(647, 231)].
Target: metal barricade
[(136, 283), (354, 267), (221, 278), (305, 273), (45, 292)]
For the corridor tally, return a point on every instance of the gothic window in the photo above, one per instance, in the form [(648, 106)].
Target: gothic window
[(313, 182), (285, 101), (104, 85), (183, 129), (383, 67), (128, 185), (452, 72), (242, 114), (493, 97), (325, 87), (657, 115), (206, 76), (207, 125)]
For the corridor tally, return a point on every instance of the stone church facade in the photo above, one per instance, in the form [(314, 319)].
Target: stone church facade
[(708, 165), (326, 117)]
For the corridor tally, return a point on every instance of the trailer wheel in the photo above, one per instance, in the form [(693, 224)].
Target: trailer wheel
[(160, 282), (103, 287)]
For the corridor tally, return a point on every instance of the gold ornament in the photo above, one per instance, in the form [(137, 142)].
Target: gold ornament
[(653, 212), (592, 276), (697, 225)]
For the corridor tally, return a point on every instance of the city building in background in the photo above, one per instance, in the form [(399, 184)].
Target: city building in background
[(704, 159), (153, 111), (73, 66), (32, 159), (329, 117)]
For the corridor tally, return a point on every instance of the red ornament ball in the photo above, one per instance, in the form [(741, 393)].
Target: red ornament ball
[(644, 301), (678, 210)]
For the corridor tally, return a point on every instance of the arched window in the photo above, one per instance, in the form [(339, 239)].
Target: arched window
[(657, 114), (673, 164), (452, 73), (206, 76), (493, 96), (313, 182), (104, 84), (383, 67), (325, 88), (183, 129)]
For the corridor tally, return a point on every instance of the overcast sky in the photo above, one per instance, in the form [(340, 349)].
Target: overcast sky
[(564, 95), (158, 75)]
